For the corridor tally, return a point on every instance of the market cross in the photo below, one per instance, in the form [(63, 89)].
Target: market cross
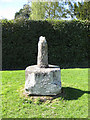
[(43, 79)]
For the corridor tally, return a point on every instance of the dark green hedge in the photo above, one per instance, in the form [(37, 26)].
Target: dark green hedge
[(67, 43)]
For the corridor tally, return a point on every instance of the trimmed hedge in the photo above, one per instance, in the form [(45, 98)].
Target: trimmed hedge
[(67, 43)]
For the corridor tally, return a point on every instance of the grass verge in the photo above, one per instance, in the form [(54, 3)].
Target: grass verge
[(72, 103)]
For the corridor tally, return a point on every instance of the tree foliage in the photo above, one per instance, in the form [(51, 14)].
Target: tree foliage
[(82, 10), (54, 10), (24, 12), (37, 11), (47, 10)]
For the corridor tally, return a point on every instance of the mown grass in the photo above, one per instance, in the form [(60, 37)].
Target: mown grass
[(72, 103)]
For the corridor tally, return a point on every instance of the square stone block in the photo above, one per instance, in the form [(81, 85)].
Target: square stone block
[(43, 81)]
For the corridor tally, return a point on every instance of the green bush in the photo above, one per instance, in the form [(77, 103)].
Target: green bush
[(67, 43)]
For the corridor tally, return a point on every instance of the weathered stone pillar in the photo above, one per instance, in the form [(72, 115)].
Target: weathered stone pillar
[(43, 79), (42, 58)]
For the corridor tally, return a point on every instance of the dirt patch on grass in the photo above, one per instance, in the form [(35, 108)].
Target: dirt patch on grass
[(42, 98)]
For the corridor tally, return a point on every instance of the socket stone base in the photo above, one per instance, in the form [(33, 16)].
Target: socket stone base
[(43, 81)]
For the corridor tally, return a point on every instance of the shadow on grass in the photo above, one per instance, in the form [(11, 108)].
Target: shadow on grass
[(69, 93)]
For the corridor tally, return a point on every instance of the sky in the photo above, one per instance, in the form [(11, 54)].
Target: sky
[(8, 8)]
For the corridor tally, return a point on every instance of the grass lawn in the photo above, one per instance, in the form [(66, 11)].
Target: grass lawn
[(72, 103)]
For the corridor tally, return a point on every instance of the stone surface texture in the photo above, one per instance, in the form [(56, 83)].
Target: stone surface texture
[(43, 79), (42, 58)]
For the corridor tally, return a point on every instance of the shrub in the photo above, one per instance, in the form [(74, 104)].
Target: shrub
[(67, 43)]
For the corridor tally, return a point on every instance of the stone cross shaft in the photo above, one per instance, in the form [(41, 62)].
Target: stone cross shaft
[(42, 79), (42, 58)]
